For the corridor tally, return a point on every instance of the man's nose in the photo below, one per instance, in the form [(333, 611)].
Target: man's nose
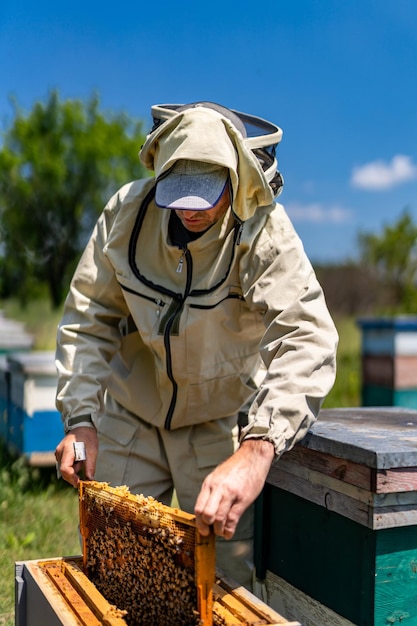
[(188, 212)]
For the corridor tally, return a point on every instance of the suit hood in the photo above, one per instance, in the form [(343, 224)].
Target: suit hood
[(203, 134)]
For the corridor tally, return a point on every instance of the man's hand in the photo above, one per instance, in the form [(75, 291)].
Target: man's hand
[(64, 455), (232, 487)]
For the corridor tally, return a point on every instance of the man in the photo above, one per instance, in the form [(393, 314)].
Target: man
[(190, 282)]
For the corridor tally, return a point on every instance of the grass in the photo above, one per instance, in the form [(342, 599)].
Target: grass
[(38, 519), (39, 515), (347, 388)]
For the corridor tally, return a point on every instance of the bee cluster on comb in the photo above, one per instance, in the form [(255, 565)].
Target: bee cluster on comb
[(147, 559)]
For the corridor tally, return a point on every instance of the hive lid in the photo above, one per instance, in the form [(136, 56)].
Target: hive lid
[(377, 437)]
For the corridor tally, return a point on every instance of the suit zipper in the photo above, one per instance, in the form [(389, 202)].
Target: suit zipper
[(175, 317)]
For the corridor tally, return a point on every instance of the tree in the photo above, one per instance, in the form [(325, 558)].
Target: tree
[(58, 167), (393, 256)]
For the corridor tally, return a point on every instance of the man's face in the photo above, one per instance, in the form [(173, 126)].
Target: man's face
[(198, 221)]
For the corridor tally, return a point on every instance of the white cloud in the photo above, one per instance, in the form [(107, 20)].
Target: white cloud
[(317, 213), (379, 175)]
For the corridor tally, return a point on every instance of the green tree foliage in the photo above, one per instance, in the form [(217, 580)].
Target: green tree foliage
[(58, 166), (393, 257)]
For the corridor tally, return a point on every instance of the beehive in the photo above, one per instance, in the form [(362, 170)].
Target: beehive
[(58, 593), (33, 426), (346, 500), (146, 558)]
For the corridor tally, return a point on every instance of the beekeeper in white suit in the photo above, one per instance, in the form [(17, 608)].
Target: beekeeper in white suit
[(192, 283)]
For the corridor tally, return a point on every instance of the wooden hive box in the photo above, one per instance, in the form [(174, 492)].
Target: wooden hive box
[(336, 539), (56, 592)]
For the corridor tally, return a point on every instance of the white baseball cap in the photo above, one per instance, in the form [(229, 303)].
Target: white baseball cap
[(191, 185)]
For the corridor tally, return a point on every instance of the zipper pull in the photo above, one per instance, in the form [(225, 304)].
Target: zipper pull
[(180, 263), (159, 304)]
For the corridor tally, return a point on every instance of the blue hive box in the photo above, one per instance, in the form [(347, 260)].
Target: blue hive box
[(34, 425)]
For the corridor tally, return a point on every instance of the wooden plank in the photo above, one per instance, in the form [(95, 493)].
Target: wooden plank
[(205, 566), (405, 343), (378, 395), (297, 605), (323, 496), (336, 467), (380, 481), (317, 478), (224, 614), (55, 602), (375, 511), (395, 372), (378, 370), (378, 341), (73, 598), (396, 577), (92, 597), (405, 372), (396, 479), (237, 597), (78, 602), (241, 613), (397, 498), (82, 596), (394, 517)]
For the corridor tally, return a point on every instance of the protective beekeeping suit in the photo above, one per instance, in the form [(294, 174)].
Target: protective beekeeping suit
[(196, 345)]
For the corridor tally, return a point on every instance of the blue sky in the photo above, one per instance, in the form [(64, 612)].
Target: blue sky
[(338, 76)]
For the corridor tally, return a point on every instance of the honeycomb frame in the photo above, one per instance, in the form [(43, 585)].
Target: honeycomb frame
[(118, 527)]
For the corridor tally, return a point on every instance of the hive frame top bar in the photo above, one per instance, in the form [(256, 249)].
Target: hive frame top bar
[(137, 503)]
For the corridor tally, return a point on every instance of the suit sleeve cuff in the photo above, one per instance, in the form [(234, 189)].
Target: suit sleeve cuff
[(84, 421)]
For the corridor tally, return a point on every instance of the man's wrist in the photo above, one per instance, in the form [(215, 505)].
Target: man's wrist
[(263, 447), (84, 421)]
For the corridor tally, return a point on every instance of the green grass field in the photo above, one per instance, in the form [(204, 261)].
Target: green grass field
[(39, 515), (38, 519), (346, 391)]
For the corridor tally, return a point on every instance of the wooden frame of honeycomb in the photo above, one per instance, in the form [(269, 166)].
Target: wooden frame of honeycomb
[(82, 601), (146, 558)]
